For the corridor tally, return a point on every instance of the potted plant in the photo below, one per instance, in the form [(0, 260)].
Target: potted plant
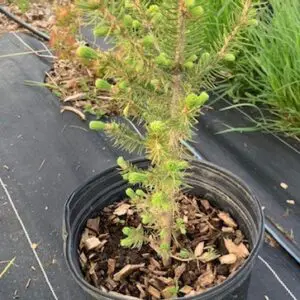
[(164, 226)]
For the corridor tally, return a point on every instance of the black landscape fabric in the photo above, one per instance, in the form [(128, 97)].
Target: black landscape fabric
[(45, 155)]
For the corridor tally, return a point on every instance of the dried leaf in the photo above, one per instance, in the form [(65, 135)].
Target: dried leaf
[(93, 224), (199, 249), (228, 259), (225, 217), (128, 269), (122, 209), (241, 251), (205, 204)]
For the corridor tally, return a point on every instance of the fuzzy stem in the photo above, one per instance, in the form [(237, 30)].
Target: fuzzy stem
[(174, 143)]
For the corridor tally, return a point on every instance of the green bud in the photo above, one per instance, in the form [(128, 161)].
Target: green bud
[(157, 17), (127, 20), (126, 111), (160, 200), (205, 57), (127, 242), (102, 84), (123, 85), (126, 230), (175, 166), (136, 177), (164, 247), (97, 125), (122, 163), (197, 11), (189, 3), (184, 253), (157, 126), (153, 9), (146, 218), (86, 52), (193, 58), (148, 40), (140, 193), (189, 65), (229, 57), (130, 193), (101, 31), (203, 97), (125, 176), (193, 101), (253, 22), (136, 24), (163, 60)]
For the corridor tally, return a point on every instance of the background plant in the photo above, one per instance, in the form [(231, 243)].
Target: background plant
[(159, 72), (268, 74)]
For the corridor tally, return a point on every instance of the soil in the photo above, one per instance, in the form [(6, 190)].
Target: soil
[(213, 247)]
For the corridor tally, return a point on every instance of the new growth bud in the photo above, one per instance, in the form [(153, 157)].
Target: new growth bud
[(197, 11), (86, 53), (193, 101), (229, 57), (101, 31), (97, 125), (102, 84), (122, 163)]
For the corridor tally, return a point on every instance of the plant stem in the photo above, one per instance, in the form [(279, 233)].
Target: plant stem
[(174, 106)]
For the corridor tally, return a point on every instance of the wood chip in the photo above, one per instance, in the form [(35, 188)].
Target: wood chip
[(111, 266), (122, 209), (28, 283), (179, 271), (74, 110), (205, 204), (206, 279), (154, 292), (83, 259), (93, 224), (225, 217), (92, 243), (291, 202), (241, 251), (228, 259), (155, 263), (168, 293), (227, 229), (165, 280), (128, 269), (34, 246), (199, 249), (75, 97), (186, 289), (284, 185), (142, 291)]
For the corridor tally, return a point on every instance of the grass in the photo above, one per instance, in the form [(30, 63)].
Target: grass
[(268, 71)]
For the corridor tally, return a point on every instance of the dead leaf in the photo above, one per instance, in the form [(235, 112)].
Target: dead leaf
[(128, 269), (74, 110), (122, 209), (199, 249), (241, 251), (225, 217), (228, 259), (179, 271)]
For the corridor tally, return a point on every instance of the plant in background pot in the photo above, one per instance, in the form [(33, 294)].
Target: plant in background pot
[(161, 227)]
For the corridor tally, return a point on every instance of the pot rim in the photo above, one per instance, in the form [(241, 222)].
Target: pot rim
[(229, 283)]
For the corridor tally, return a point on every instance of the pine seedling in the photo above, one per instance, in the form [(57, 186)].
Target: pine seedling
[(162, 69)]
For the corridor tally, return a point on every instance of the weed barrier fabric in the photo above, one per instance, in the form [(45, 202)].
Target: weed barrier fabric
[(44, 156)]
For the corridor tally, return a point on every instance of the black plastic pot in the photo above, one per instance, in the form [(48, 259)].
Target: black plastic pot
[(222, 188)]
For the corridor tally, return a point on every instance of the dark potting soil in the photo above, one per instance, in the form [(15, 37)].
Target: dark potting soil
[(212, 249)]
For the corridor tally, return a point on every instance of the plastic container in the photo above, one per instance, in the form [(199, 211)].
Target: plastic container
[(223, 189)]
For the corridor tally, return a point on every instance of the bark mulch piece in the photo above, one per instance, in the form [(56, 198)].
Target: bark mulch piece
[(216, 246)]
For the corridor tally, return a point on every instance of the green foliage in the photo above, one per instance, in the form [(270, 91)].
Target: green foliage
[(268, 72), (164, 55), (23, 5)]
